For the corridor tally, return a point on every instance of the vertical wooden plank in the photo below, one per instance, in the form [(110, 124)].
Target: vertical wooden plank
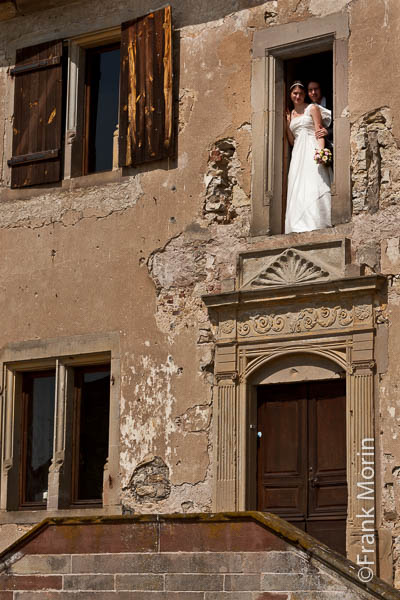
[(32, 116), (52, 121), (158, 104), (146, 126), (149, 82), (132, 92), (21, 132), (124, 82), (41, 129), (167, 64), (141, 90)]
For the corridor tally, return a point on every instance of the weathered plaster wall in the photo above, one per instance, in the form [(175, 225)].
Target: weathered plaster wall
[(374, 96), (135, 255)]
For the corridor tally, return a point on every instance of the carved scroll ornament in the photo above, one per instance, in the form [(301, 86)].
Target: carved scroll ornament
[(305, 320)]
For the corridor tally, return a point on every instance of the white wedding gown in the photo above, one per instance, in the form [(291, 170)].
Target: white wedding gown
[(309, 184)]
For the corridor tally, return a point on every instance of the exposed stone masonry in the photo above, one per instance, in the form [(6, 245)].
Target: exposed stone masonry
[(150, 480)]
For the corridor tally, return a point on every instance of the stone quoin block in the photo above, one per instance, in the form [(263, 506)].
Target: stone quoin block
[(197, 582), (242, 583), (146, 582), (42, 564), (88, 582), (30, 582), (216, 537), (95, 538), (228, 596), (172, 562)]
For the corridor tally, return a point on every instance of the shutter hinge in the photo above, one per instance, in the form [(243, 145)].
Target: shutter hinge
[(40, 64)]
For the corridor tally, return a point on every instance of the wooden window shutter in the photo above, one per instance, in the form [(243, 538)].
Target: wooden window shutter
[(145, 122), (36, 150)]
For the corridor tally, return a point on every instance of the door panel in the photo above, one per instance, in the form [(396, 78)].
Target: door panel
[(327, 449), (282, 451), (301, 457), (332, 533)]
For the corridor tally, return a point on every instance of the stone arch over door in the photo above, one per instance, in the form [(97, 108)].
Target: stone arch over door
[(296, 365), (270, 318)]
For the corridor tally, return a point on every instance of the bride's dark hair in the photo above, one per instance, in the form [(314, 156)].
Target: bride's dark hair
[(296, 83)]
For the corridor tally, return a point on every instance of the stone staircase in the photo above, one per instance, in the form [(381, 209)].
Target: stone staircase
[(227, 556)]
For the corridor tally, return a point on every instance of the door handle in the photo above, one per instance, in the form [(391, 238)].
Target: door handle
[(314, 482)]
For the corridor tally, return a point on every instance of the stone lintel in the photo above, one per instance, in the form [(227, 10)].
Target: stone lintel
[(347, 285)]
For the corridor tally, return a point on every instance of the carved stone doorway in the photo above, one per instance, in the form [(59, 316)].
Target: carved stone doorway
[(288, 304), (301, 457)]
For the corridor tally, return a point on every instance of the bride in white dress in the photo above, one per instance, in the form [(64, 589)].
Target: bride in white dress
[(309, 184)]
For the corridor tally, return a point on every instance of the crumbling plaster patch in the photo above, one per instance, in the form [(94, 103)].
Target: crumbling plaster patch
[(187, 100), (152, 424), (148, 419), (149, 481), (321, 8), (375, 163), (190, 265), (224, 198), (70, 207)]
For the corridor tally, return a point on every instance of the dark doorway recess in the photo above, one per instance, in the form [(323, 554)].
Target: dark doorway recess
[(301, 462), (315, 67)]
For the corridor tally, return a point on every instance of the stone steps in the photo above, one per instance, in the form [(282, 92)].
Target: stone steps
[(243, 556)]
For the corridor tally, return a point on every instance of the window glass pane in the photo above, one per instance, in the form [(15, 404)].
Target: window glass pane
[(39, 434), (104, 106), (93, 432)]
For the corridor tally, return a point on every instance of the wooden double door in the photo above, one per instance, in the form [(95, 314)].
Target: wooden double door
[(301, 457)]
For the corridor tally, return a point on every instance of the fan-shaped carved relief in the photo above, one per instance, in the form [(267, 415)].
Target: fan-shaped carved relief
[(290, 267)]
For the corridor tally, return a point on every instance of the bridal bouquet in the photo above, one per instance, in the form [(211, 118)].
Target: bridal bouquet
[(323, 157)]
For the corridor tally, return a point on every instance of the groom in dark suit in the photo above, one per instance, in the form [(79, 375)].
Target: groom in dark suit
[(315, 95)]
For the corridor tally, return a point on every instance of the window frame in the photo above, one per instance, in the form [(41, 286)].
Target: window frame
[(76, 427), (63, 356), (271, 47), (88, 150), (25, 397), (75, 125), (145, 130)]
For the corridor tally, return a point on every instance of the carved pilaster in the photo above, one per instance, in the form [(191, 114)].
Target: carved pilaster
[(226, 437), (54, 500), (361, 459), (8, 437)]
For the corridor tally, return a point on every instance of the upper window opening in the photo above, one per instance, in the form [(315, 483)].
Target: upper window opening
[(102, 104), (313, 48), (306, 186), (119, 102)]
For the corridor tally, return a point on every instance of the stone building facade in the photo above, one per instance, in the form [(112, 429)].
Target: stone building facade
[(176, 274)]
